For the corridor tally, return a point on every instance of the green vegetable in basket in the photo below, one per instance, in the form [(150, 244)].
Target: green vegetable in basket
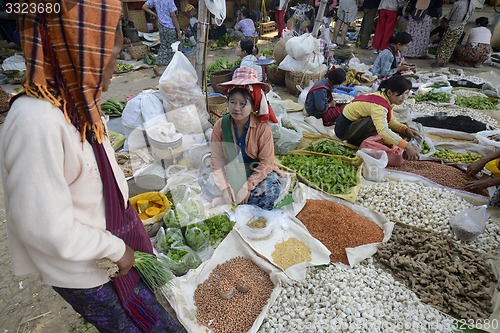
[(219, 226), (332, 148), (330, 174)]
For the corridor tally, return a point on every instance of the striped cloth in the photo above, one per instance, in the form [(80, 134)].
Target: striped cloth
[(65, 57)]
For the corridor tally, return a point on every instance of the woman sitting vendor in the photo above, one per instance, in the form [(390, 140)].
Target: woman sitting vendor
[(390, 61), (479, 185), (477, 47), (242, 144), (319, 101), (371, 114)]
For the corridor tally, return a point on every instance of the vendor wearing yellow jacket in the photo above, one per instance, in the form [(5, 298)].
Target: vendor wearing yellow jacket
[(371, 114)]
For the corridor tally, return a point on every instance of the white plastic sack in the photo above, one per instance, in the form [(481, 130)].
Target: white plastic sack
[(301, 47), (470, 223), (482, 137), (285, 140), (312, 65), (446, 133), (355, 255), (427, 87), (375, 163), (186, 119), (284, 227), (140, 112), (180, 293), (304, 92), (218, 8)]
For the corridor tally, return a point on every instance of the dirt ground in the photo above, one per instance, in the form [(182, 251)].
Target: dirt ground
[(26, 304)]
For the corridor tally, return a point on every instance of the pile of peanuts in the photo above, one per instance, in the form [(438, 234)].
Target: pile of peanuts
[(233, 296)]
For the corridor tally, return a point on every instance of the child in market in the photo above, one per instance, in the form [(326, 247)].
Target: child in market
[(371, 114), (319, 101), (390, 61), (242, 144), (247, 51)]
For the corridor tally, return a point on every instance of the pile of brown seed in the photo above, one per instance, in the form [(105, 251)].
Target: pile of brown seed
[(442, 174), (233, 296), (451, 277), (338, 227), (291, 252)]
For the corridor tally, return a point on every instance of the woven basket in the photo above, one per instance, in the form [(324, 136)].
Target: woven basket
[(220, 77), (279, 51), (138, 50), (139, 19), (276, 75), (217, 108), (292, 79)]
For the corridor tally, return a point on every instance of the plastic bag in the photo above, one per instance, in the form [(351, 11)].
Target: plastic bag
[(375, 163), (180, 259), (301, 47), (186, 119), (285, 140), (168, 238), (470, 223), (483, 138), (170, 220), (394, 153), (304, 92), (197, 236)]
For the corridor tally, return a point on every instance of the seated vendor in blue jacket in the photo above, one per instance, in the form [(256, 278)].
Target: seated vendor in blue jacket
[(319, 101)]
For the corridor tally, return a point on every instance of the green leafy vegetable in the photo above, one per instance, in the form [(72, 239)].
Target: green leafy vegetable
[(475, 102), (154, 272), (197, 236), (219, 226), (332, 148), (431, 96), (330, 174)]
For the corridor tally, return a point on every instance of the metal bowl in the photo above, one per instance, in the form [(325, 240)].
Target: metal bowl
[(441, 115)]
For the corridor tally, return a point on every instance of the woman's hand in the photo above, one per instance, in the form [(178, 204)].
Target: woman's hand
[(475, 167), (403, 68), (243, 194), (179, 35), (228, 196), (126, 261), (412, 133), (478, 185), (412, 152)]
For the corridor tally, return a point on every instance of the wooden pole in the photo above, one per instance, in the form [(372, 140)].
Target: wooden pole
[(319, 18), (202, 43)]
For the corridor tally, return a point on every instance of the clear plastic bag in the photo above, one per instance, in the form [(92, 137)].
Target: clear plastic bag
[(180, 259), (170, 220), (168, 238), (197, 236), (470, 223), (375, 163)]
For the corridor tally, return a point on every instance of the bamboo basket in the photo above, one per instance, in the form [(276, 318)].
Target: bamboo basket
[(139, 19), (220, 77), (138, 50), (292, 79), (217, 108), (276, 75)]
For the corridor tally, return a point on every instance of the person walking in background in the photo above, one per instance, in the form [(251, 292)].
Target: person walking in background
[(390, 61), (346, 14), (388, 13), (245, 27), (459, 14), (68, 173), (319, 100), (170, 30), (476, 48), (370, 9), (419, 26), (280, 7)]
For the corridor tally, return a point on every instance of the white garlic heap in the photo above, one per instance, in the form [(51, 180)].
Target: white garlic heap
[(424, 206), (343, 299)]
